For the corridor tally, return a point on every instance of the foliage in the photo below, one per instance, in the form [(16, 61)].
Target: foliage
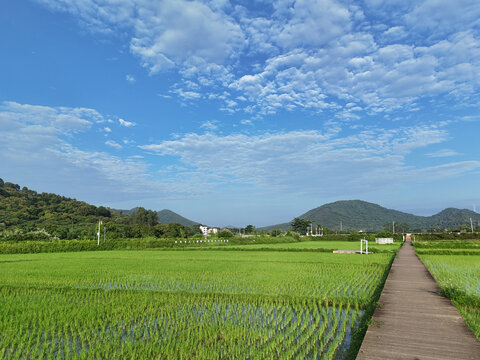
[(250, 229), (300, 225), (276, 232), (225, 233), (448, 236), (28, 216)]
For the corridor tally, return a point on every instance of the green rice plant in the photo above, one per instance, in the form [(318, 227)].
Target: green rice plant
[(172, 304), (459, 278)]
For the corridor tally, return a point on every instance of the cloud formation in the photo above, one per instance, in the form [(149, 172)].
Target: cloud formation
[(126, 123), (310, 161), (315, 55), (37, 143)]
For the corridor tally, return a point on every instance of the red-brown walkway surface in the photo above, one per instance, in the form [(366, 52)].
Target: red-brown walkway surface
[(413, 321)]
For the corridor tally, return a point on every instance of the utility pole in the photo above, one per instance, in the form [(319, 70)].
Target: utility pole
[(98, 233), (341, 225), (393, 227), (471, 224)]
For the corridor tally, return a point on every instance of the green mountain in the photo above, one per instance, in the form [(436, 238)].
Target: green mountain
[(165, 216), (362, 215), (22, 208), (28, 215)]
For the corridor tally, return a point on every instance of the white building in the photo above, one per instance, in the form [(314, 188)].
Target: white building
[(206, 231)]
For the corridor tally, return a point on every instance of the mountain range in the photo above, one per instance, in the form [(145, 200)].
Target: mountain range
[(362, 215), (27, 208)]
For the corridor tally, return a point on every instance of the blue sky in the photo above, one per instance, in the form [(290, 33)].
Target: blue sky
[(239, 112)]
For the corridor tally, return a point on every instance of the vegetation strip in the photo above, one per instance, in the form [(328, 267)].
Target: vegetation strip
[(455, 265)]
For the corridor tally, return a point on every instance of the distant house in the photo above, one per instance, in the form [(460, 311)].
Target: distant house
[(206, 231)]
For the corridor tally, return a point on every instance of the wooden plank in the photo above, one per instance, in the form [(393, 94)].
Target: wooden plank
[(414, 321)]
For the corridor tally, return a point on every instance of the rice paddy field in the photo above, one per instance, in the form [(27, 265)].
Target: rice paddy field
[(457, 275), (187, 304), (328, 246)]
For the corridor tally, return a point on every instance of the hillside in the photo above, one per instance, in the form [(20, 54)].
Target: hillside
[(22, 208), (362, 215), (26, 214), (165, 216)]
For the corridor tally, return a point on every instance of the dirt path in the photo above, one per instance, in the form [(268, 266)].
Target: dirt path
[(414, 321)]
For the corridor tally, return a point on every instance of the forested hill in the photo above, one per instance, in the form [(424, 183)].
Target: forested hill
[(166, 216), (26, 214), (25, 208), (362, 215)]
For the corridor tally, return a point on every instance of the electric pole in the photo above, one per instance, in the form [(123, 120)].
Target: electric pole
[(98, 233)]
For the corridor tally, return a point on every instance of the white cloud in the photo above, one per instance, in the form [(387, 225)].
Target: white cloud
[(59, 119), (130, 78), (126, 123), (187, 95), (107, 129), (209, 125), (305, 161), (443, 153), (314, 23), (113, 144), (437, 18), (169, 32), (37, 144), (313, 55), (395, 33)]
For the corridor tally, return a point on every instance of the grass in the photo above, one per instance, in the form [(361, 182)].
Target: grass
[(457, 274), (185, 304)]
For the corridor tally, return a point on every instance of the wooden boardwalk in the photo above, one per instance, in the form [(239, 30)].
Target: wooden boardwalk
[(413, 321)]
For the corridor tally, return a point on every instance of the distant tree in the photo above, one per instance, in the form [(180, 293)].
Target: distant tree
[(250, 229), (225, 233), (145, 217), (384, 234), (276, 232), (300, 225), (174, 230), (103, 211), (86, 209), (192, 230)]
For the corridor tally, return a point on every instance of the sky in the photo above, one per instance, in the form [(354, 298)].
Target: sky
[(243, 112)]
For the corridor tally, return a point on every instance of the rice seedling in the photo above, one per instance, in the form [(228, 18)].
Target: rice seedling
[(178, 305), (459, 278)]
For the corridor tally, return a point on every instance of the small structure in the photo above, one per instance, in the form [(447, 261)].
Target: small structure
[(317, 231), (363, 241), (383, 241), (407, 237), (206, 231)]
